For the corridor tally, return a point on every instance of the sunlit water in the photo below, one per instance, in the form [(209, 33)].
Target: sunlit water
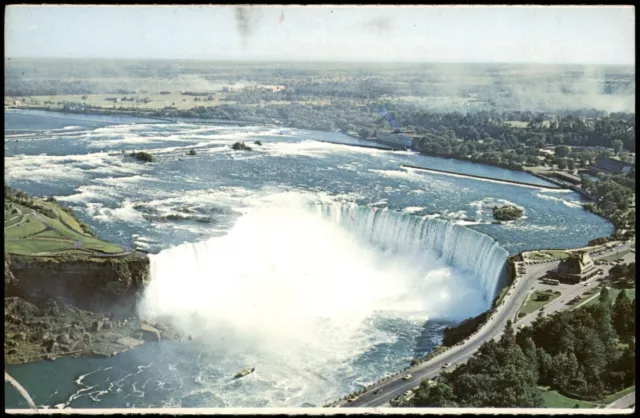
[(323, 265)]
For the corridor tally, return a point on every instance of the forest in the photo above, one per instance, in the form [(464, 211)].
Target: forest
[(585, 353)]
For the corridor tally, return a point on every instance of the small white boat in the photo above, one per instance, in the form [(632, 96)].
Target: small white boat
[(244, 372)]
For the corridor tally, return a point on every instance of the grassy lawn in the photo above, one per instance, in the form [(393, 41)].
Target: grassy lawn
[(32, 246), (31, 225), (553, 399), (516, 123), (68, 219), (43, 234), (547, 255), (613, 293), (615, 396), (12, 221), (532, 305)]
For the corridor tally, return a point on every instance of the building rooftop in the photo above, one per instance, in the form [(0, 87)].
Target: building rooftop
[(611, 165), (576, 264)]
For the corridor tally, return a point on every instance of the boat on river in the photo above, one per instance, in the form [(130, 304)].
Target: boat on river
[(244, 372)]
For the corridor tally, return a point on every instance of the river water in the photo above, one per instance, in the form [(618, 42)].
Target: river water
[(323, 265)]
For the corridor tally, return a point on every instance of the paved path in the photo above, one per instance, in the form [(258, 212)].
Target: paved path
[(383, 393), (627, 401), (492, 329)]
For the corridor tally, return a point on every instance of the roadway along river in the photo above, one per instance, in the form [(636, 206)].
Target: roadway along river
[(381, 394)]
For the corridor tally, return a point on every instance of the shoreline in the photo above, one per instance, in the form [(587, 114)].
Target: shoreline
[(357, 145), (133, 114)]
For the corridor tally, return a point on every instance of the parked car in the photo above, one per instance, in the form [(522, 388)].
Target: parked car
[(407, 377)]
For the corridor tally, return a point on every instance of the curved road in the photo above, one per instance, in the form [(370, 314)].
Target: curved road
[(626, 402), (492, 329), (382, 393)]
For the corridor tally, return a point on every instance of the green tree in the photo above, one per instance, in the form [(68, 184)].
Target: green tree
[(571, 164), (617, 146), (562, 164), (623, 320), (440, 395), (508, 338), (562, 151), (605, 297), (565, 368)]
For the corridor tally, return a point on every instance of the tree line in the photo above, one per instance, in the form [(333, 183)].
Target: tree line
[(585, 353)]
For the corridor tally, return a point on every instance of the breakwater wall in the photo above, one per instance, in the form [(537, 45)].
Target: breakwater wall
[(521, 183)]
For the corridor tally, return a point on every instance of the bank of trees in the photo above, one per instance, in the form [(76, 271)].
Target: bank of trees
[(586, 353), (612, 196)]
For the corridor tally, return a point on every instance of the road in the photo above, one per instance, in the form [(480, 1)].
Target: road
[(492, 329), (382, 393), (627, 401)]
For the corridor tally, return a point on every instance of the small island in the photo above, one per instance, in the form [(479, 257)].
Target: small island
[(142, 156), (507, 213), (241, 146)]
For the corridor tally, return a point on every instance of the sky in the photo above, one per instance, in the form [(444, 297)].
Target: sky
[(508, 34)]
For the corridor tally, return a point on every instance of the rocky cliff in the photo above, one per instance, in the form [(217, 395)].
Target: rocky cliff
[(62, 306), (105, 285)]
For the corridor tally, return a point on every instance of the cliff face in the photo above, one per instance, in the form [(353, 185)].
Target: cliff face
[(99, 285)]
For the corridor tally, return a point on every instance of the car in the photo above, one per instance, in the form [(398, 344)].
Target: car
[(407, 393), (446, 365), (354, 398), (407, 377), (375, 392)]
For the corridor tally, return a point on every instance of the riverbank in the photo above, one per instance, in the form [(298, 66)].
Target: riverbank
[(157, 115), (46, 329), (68, 293)]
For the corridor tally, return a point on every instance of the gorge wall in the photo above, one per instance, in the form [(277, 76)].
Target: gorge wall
[(97, 284)]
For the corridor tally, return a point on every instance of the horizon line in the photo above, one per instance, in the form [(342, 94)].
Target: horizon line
[(286, 60)]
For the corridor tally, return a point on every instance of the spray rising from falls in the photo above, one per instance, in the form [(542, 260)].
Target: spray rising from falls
[(281, 269), (457, 246), (320, 295)]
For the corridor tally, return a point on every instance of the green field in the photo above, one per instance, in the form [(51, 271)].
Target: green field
[(34, 233), (66, 218), (615, 396), (531, 305), (553, 399), (547, 255), (613, 293)]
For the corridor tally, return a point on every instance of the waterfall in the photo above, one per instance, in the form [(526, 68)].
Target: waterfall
[(460, 247)]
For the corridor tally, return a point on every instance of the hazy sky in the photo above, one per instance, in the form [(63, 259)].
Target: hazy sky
[(589, 35)]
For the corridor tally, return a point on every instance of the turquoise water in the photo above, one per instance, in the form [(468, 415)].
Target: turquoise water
[(235, 239)]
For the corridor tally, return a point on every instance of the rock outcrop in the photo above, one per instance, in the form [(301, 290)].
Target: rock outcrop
[(48, 329), (97, 284)]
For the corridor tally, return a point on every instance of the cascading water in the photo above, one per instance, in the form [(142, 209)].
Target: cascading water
[(323, 298), (461, 247), (283, 264)]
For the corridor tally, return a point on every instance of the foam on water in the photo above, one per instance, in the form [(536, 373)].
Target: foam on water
[(304, 283)]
